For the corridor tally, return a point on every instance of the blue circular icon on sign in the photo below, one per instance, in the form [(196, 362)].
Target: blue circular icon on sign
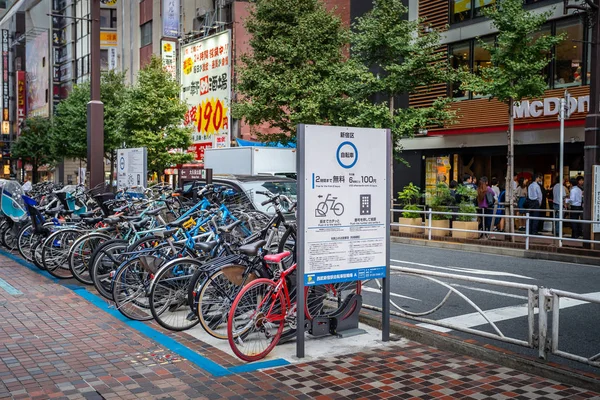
[(122, 163), (347, 155)]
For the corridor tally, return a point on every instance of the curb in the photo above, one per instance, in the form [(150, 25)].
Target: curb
[(501, 251), (485, 352)]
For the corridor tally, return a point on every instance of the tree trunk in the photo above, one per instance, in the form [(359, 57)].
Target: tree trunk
[(34, 172), (510, 167)]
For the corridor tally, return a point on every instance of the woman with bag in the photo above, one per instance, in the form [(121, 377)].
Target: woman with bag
[(485, 201)]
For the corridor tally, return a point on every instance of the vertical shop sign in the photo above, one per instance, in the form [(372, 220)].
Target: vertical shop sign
[(21, 111), (112, 59), (596, 199), (206, 88), (168, 57), (5, 86), (36, 54), (170, 17)]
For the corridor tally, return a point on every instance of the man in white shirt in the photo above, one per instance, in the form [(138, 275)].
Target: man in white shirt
[(558, 195), (575, 200), (534, 194)]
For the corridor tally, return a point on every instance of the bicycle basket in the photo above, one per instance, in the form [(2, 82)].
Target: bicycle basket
[(235, 274), (151, 264)]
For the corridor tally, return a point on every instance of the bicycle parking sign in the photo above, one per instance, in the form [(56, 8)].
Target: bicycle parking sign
[(344, 203)]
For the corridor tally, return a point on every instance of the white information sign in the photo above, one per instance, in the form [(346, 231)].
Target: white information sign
[(596, 199), (168, 57), (345, 203), (132, 167), (206, 88)]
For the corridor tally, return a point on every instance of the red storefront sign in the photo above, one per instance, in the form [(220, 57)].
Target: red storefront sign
[(21, 109), (198, 150)]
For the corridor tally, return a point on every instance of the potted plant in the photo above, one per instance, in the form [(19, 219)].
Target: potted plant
[(466, 205), (409, 198), (440, 200)]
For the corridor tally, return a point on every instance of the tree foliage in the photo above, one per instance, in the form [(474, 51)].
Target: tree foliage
[(151, 116), (402, 59), (297, 70), (33, 145), (70, 134)]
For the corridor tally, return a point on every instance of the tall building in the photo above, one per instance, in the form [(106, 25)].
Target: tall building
[(477, 143)]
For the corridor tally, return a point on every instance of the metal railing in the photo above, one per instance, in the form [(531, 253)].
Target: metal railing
[(544, 335), (429, 215)]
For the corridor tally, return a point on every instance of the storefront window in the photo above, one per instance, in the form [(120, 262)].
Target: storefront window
[(569, 54), (480, 5), (460, 10), (104, 60), (461, 59)]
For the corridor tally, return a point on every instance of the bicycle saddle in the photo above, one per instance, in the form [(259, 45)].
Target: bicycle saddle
[(112, 220), (140, 223), (276, 258), (206, 247), (229, 228), (65, 212), (166, 234), (251, 249), (155, 211), (91, 221), (179, 223), (87, 215)]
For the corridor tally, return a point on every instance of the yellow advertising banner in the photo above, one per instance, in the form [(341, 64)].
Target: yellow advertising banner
[(108, 39)]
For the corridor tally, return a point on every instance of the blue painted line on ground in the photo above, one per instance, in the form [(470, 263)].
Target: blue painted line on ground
[(162, 339), (10, 289)]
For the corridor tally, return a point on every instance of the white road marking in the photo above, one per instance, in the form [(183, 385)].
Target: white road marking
[(467, 270), (500, 314), (373, 290)]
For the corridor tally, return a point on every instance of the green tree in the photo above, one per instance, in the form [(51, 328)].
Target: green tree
[(33, 145), (70, 133), (152, 117), (518, 58), (403, 59), (297, 70)]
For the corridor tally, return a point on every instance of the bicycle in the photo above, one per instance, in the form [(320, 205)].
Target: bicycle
[(329, 204)]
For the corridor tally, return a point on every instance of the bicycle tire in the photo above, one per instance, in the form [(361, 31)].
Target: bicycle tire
[(169, 302), (107, 259), (326, 300), (9, 239), (215, 297), (245, 336), (36, 254), (25, 239), (130, 288), (81, 253), (55, 252)]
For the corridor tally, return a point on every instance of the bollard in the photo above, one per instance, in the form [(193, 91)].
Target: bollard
[(527, 231)]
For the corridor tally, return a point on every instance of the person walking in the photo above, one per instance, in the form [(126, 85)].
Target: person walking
[(558, 196), (485, 201), (534, 195), (575, 200)]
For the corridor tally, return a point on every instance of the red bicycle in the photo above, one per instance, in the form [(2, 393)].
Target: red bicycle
[(264, 308)]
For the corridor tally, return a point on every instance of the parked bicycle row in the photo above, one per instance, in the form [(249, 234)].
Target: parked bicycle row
[(215, 261)]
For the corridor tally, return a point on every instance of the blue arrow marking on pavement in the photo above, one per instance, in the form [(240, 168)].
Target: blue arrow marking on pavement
[(8, 288)]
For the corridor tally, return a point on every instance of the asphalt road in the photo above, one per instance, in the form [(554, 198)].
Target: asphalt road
[(579, 322)]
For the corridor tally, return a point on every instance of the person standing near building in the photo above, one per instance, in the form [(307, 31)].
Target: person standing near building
[(495, 188), (485, 201), (558, 195), (521, 195), (468, 181), (575, 200), (534, 195)]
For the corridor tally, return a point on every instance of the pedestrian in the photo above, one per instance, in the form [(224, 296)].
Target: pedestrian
[(534, 199), (558, 196), (495, 188), (468, 181), (521, 196), (575, 200), (515, 183), (485, 201), (474, 182), (453, 194)]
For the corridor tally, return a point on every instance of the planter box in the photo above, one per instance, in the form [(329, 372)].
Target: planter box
[(416, 222), (442, 223), (471, 225)]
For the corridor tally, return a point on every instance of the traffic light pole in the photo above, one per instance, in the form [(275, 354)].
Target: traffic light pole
[(95, 108)]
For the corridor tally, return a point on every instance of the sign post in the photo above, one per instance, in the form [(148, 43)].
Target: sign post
[(596, 199), (343, 211), (132, 168)]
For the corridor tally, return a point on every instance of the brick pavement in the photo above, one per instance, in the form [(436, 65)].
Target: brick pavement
[(55, 344)]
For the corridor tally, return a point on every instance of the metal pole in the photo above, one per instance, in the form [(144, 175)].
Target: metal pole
[(95, 108), (563, 104), (527, 231), (385, 298), (429, 223), (301, 243)]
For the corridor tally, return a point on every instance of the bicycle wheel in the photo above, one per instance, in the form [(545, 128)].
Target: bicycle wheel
[(25, 239), (106, 260), (81, 254), (214, 302), (326, 300), (169, 294), (55, 252), (256, 320), (131, 286), (36, 253), (9, 239)]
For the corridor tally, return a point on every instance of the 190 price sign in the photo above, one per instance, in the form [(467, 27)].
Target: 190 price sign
[(208, 118)]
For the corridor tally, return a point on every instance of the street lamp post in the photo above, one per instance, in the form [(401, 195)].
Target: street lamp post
[(592, 121), (95, 108)]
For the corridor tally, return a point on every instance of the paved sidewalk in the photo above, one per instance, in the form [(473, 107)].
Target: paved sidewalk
[(56, 344)]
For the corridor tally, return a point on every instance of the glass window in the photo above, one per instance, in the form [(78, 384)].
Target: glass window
[(104, 60), (461, 54), (146, 34), (480, 5), (481, 57), (108, 18), (545, 31), (569, 54), (460, 10)]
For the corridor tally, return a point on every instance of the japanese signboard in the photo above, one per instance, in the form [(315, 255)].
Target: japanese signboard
[(5, 85), (112, 59), (132, 167), (109, 39), (169, 57), (21, 110), (36, 54), (343, 203), (596, 199), (170, 17), (206, 88)]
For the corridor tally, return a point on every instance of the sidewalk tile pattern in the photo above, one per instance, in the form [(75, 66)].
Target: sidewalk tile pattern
[(55, 345)]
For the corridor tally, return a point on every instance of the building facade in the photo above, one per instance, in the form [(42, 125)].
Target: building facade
[(476, 143)]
